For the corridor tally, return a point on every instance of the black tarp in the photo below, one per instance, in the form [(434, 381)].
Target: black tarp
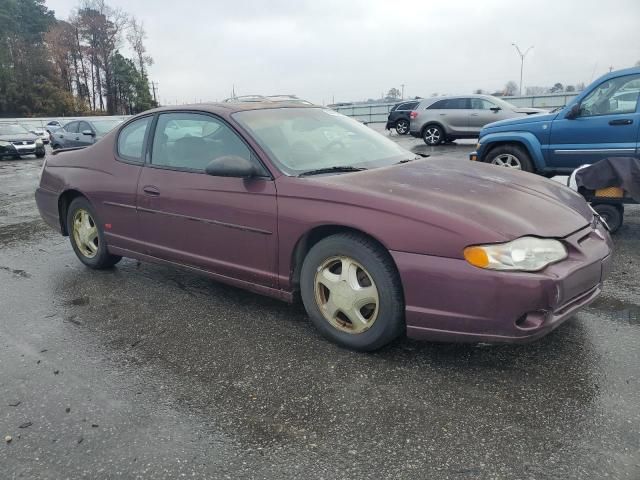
[(621, 172)]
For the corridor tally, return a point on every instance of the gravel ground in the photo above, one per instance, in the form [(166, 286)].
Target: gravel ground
[(150, 372)]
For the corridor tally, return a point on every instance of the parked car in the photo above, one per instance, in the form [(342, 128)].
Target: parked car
[(602, 122), (39, 130), (281, 199), (16, 142), (81, 133), (440, 119), (399, 118)]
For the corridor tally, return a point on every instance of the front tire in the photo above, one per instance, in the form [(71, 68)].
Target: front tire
[(433, 135), (352, 292), (510, 156), (86, 236), (611, 214), (402, 126), (40, 155)]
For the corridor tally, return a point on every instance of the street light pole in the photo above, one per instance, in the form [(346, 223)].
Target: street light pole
[(522, 55)]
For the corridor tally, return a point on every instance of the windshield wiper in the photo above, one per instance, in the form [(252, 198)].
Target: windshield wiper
[(417, 157), (337, 168)]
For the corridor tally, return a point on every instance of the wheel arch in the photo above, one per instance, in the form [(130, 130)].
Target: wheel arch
[(315, 235), (64, 200), (431, 123), (524, 140)]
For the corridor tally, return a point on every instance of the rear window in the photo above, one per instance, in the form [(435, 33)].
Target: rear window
[(450, 104)]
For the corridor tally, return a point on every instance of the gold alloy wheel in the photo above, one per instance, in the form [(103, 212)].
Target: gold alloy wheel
[(346, 295), (85, 233)]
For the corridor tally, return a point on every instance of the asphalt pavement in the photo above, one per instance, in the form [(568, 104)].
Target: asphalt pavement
[(146, 371)]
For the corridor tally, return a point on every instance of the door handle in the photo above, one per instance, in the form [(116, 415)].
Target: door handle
[(621, 121), (151, 190), (77, 138)]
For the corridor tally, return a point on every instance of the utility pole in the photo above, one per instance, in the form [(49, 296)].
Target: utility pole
[(153, 88), (402, 96), (611, 68), (522, 55)]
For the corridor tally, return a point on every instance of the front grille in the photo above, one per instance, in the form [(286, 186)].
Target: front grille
[(23, 142)]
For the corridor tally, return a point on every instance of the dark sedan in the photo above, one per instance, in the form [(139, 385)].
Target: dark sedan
[(16, 142), (288, 199), (82, 133)]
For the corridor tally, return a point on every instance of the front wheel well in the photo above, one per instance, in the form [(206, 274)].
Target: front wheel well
[(64, 200), (313, 236), (429, 124), (510, 143)]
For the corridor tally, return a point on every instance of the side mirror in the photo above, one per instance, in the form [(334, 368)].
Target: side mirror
[(495, 109), (574, 112), (89, 133), (231, 166)]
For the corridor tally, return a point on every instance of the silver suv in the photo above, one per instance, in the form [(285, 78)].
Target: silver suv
[(441, 119)]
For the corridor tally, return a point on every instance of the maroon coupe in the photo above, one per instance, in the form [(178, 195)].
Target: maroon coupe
[(283, 199)]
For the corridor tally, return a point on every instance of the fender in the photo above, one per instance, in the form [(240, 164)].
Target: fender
[(526, 139)]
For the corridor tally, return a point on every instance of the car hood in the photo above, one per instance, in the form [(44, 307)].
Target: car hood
[(513, 123), (483, 201), (529, 110), (21, 137)]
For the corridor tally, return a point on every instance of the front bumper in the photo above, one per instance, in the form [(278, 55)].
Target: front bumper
[(450, 300)]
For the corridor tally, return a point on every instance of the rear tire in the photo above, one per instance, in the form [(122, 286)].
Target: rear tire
[(611, 214), (369, 276), (433, 135), (510, 156), (402, 126), (87, 237)]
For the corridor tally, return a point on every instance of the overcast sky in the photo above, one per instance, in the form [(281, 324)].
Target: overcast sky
[(357, 49)]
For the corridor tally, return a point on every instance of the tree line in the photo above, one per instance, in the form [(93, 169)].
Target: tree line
[(53, 67)]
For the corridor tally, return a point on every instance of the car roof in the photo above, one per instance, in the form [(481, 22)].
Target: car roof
[(232, 107)]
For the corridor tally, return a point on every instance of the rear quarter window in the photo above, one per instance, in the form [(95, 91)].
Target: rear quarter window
[(132, 139)]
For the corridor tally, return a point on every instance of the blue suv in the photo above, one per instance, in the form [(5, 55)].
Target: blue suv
[(602, 121)]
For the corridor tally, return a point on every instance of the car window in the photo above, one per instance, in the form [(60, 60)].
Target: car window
[(82, 126), (481, 104), (604, 99), (12, 129), (103, 127), (71, 127), (412, 105), (439, 105), (191, 141), (458, 103), (304, 139), (132, 138)]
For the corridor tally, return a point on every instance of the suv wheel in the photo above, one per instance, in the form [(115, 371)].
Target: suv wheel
[(402, 126), (510, 156), (433, 135)]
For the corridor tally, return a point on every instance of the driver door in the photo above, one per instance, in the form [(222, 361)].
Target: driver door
[(224, 225), (605, 127)]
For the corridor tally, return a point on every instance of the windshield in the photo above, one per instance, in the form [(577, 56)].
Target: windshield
[(304, 139), (503, 104), (104, 126), (32, 126), (12, 130)]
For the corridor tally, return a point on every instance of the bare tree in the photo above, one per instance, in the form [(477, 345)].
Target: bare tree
[(136, 37), (510, 89)]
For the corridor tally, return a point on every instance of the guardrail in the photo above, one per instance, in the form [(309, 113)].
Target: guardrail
[(378, 112)]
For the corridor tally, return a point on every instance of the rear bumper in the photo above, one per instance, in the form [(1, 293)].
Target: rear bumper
[(47, 202), (450, 300), (389, 125)]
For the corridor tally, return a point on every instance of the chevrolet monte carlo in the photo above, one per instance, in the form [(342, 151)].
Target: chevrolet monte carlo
[(297, 201)]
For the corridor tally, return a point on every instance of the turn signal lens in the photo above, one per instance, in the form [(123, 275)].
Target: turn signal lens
[(476, 256), (526, 254)]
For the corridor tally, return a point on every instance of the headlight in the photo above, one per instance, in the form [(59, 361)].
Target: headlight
[(39, 142), (528, 254)]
